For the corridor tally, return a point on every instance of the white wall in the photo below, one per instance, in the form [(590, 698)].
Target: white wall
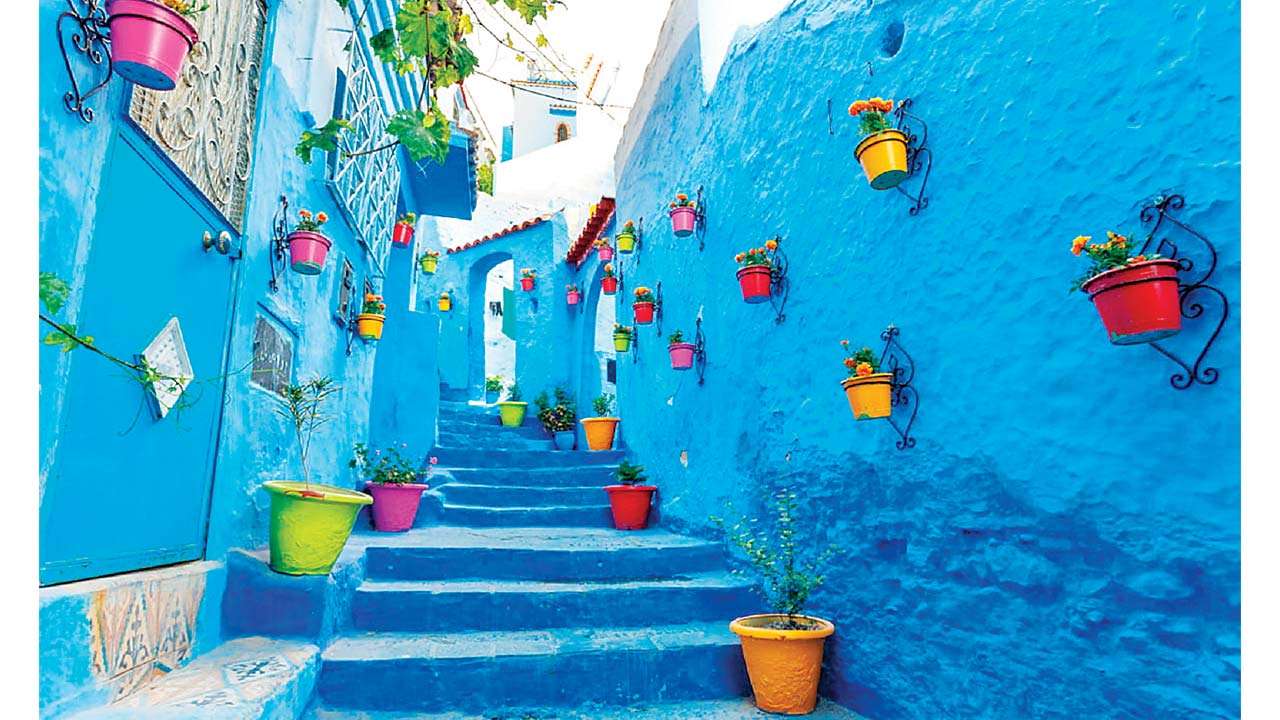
[(499, 350)]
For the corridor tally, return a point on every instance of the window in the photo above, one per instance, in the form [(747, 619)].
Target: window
[(346, 287), (272, 357), (562, 132)]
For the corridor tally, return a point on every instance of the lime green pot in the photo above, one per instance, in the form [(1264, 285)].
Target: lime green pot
[(310, 525), (512, 413)]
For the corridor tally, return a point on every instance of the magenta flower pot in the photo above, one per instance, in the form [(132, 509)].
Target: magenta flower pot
[(149, 42), (307, 251), (681, 355), (573, 297), (394, 506), (605, 252), (683, 220)]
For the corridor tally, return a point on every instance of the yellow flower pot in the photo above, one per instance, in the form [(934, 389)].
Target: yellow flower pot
[(626, 242), (621, 342), (600, 431), (512, 412), (369, 326), (870, 396), (429, 264), (884, 158), (784, 665), (445, 304), (310, 525)]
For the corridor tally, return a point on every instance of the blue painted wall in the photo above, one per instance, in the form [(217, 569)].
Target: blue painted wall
[(1064, 540)]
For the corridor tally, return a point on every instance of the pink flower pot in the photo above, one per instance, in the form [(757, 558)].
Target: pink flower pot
[(681, 355), (573, 297), (149, 42), (307, 251), (394, 506), (605, 252), (683, 220)]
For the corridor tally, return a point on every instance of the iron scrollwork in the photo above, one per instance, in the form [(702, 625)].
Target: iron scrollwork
[(700, 351), (89, 36), (895, 359), (657, 307), (700, 220), (278, 250), (919, 156), (779, 284)]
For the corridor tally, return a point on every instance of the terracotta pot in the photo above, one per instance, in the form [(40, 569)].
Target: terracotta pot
[(784, 665), (600, 431)]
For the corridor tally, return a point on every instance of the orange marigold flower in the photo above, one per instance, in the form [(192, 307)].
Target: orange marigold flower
[(1078, 244), (771, 244), (681, 197), (304, 213), (863, 369), (739, 257), (844, 343), (321, 217), (848, 362)]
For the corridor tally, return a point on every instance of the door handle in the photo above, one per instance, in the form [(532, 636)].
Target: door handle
[(222, 244)]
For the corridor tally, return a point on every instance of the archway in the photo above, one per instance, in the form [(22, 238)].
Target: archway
[(491, 346), (598, 370)]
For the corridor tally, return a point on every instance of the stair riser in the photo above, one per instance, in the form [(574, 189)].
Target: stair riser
[(533, 517), (475, 458), (560, 680), (457, 441), (498, 496), (420, 563), (546, 477), (412, 611)]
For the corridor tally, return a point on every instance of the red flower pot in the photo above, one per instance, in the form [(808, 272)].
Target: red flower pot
[(681, 355), (1138, 303), (630, 505), (609, 285), (755, 283), (644, 312), (526, 284), (605, 252), (149, 42), (573, 297), (402, 234), (394, 505)]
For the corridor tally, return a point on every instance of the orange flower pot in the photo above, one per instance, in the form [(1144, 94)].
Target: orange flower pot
[(870, 396), (784, 665), (884, 158), (600, 431), (369, 326)]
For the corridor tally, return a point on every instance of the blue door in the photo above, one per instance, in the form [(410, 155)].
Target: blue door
[(126, 490)]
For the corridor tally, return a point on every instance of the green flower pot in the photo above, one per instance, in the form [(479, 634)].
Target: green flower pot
[(512, 413), (310, 525)]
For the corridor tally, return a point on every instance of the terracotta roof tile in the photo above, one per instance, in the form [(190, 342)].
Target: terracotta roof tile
[(501, 233), (596, 224)]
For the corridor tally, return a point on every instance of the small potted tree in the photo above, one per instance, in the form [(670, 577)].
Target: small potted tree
[(572, 295), (391, 481), (150, 40), (869, 390), (492, 388), (626, 238), (373, 313), (630, 498), (883, 149), (428, 261), (308, 247), (310, 522), (527, 279), (402, 231), (755, 272), (681, 351), (600, 429), (558, 418), (1135, 295), (603, 248), (782, 649), (643, 305), (622, 337), (609, 283), (511, 411), (445, 301), (684, 215)]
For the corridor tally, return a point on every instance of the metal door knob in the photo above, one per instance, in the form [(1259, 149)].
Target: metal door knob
[(222, 244)]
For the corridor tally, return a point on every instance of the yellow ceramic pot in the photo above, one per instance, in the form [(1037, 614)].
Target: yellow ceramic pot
[(870, 396), (600, 431), (884, 158), (369, 326), (621, 342), (626, 242), (310, 524), (445, 304), (429, 264), (784, 665)]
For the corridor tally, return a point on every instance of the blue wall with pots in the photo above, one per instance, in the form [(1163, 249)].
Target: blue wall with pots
[(1063, 541)]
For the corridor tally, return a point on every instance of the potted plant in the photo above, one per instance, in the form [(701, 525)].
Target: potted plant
[(609, 283), (603, 249), (684, 215), (782, 649), (492, 388), (622, 337), (601, 429), (512, 410), (681, 351), (883, 148), (630, 498), (445, 302), (558, 419), (643, 305), (527, 279), (310, 523), (391, 478), (402, 231), (869, 390), (373, 313), (1136, 295), (308, 247), (428, 261), (572, 295), (755, 271), (626, 238), (150, 40)]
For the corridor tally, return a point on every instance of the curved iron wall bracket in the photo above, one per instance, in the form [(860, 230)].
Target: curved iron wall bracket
[(639, 244), (90, 37), (352, 329), (278, 252), (700, 352), (700, 221), (657, 307), (919, 156), (779, 284), (635, 347), (896, 360), (1158, 210)]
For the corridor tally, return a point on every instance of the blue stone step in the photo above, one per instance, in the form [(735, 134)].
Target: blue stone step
[(736, 709), (459, 605), (523, 459), (572, 476), (506, 495), (565, 667), (548, 554), (491, 427), (493, 442), (528, 516)]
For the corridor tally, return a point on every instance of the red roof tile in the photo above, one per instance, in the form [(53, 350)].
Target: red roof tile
[(596, 224), (501, 233)]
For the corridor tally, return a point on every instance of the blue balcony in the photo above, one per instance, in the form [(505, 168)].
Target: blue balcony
[(444, 190)]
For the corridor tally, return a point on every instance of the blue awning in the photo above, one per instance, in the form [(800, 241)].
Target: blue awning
[(443, 190)]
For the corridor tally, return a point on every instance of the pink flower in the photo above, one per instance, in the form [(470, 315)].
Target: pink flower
[(433, 460)]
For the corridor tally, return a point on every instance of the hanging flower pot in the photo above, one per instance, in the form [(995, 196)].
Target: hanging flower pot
[(308, 247), (1136, 297), (869, 391), (603, 248), (643, 305), (681, 351), (372, 315), (428, 261), (402, 231), (626, 238), (527, 279), (445, 303), (572, 295), (755, 275), (149, 42), (609, 283), (630, 499), (684, 215), (622, 337), (783, 664), (600, 430), (883, 149)]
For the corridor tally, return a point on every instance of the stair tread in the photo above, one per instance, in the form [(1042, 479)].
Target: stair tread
[(522, 488), (514, 509), (719, 579), (734, 709), (525, 538)]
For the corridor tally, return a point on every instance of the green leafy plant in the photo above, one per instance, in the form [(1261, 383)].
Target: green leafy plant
[(571, 288), (675, 337), (54, 292), (308, 222), (186, 8), (373, 305), (558, 416), (872, 115), (603, 405), (484, 178), (787, 576), (628, 474), (628, 228), (1116, 252), (513, 392), (683, 200), (388, 466), (861, 363), (304, 408), (644, 294), (608, 270), (758, 256), (528, 273), (623, 330), (493, 383), (408, 218)]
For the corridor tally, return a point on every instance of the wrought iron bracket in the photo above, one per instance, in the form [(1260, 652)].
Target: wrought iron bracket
[(638, 244), (352, 327), (89, 36), (278, 252), (635, 347), (1191, 281), (779, 284), (895, 359), (700, 221), (700, 351), (657, 307), (919, 156)]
